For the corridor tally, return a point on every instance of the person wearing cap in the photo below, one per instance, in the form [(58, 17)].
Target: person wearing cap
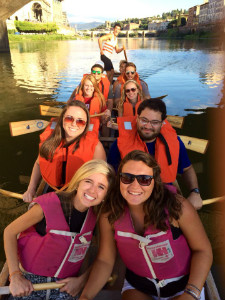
[(150, 132), (107, 43)]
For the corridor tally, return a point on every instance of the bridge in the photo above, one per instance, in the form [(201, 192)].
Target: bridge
[(7, 8), (127, 33)]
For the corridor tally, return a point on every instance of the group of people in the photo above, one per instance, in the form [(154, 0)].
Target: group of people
[(157, 232)]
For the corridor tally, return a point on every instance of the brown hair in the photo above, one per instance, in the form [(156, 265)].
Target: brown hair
[(49, 146), (130, 64), (123, 95), (157, 207)]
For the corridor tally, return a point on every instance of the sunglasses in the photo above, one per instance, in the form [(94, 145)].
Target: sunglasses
[(96, 72), (128, 178), (128, 72), (71, 119), (132, 90)]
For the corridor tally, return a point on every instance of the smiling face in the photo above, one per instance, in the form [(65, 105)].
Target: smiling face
[(130, 72), (116, 30), (134, 193), (131, 92), (97, 73), (148, 131), (88, 88), (73, 129), (91, 191)]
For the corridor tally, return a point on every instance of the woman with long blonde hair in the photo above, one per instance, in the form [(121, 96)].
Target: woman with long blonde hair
[(55, 234)]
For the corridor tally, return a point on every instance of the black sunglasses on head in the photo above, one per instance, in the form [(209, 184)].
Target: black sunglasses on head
[(128, 178)]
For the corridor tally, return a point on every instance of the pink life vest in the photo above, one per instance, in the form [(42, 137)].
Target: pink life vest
[(59, 253), (155, 255)]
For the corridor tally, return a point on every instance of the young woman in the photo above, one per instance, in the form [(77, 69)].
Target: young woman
[(90, 94), (66, 144), (158, 234), (55, 233)]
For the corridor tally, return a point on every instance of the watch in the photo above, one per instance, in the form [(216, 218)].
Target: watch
[(195, 190)]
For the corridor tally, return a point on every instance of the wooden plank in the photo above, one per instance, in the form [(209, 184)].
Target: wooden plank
[(195, 144), (176, 121), (24, 127)]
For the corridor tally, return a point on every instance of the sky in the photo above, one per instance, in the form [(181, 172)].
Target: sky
[(102, 10)]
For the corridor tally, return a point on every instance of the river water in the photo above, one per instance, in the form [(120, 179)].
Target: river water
[(191, 73)]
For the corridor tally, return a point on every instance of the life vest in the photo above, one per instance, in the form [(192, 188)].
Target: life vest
[(156, 255), (166, 156), (51, 171), (128, 107), (124, 79), (94, 107), (103, 85), (59, 253), (108, 46)]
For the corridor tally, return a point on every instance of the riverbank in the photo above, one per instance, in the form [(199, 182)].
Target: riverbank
[(175, 33), (41, 37)]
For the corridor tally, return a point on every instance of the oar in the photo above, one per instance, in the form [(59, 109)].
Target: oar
[(176, 121), (20, 196), (54, 103), (37, 287), (56, 111), (23, 127), (195, 144), (125, 54)]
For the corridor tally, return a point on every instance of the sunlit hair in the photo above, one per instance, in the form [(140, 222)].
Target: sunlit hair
[(97, 91), (153, 104), (49, 146), (86, 170), (123, 95), (130, 64), (156, 207)]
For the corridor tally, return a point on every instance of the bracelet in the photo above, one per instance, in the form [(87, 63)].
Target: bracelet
[(192, 293), (15, 272), (194, 286)]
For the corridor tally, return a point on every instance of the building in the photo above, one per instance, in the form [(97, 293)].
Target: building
[(193, 16), (216, 11), (40, 11), (107, 24), (203, 14), (132, 26), (158, 26)]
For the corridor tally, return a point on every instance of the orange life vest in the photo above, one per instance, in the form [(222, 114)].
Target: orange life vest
[(51, 171), (128, 107), (130, 140)]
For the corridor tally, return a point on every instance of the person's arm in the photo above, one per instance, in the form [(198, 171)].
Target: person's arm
[(190, 178), (118, 50), (201, 257), (102, 39), (19, 286), (117, 94), (99, 152), (103, 265), (34, 180)]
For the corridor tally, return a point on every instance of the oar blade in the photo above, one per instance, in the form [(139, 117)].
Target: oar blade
[(24, 127), (195, 144), (176, 121), (50, 111)]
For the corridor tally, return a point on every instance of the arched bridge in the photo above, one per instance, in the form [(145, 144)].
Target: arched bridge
[(7, 8)]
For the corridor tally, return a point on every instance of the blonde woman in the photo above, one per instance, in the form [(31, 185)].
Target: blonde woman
[(55, 233)]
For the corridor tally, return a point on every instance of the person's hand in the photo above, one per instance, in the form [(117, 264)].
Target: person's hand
[(29, 195), (195, 199), (20, 286), (106, 117), (102, 53), (124, 47), (112, 125), (73, 285)]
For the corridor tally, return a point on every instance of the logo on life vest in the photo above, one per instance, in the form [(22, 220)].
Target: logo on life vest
[(78, 253), (161, 252)]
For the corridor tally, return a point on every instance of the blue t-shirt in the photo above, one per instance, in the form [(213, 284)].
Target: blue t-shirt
[(114, 157)]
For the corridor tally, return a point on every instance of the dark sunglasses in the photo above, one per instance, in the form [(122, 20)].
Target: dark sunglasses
[(132, 90), (128, 178), (94, 72), (128, 72), (71, 119)]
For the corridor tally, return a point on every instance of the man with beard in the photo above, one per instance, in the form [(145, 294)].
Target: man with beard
[(151, 132)]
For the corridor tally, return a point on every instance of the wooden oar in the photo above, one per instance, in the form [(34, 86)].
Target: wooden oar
[(54, 103), (125, 54), (195, 144), (176, 121), (23, 127), (20, 196), (37, 287), (56, 111)]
